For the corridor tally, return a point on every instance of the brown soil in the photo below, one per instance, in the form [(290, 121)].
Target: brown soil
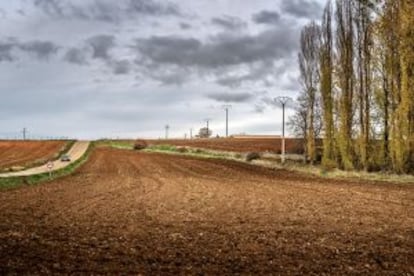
[(25, 153), (126, 212), (294, 146)]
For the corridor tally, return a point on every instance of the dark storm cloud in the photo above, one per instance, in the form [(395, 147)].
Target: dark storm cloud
[(105, 10), (101, 45), (76, 56), (229, 23), (219, 51), (40, 49), (232, 60), (302, 8), (267, 17), (230, 97)]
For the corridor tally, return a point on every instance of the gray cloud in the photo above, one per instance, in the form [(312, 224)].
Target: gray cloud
[(230, 23), (41, 49), (185, 26), (76, 56), (150, 7), (105, 10), (302, 8), (267, 17), (233, 60), (2, 14), (120, 67), (258, 72), (101, 45), (6, 51), (230, 97), (37, 48), (221, 50)]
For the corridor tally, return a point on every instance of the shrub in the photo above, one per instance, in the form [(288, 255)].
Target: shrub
[(140, 145), (252, 156), (238, 156), (182, 149)]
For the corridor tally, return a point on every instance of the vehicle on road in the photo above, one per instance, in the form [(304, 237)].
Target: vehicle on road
[(65, 158)]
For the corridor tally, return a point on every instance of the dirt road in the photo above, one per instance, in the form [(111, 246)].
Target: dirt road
[(127, 213), (76, 152)]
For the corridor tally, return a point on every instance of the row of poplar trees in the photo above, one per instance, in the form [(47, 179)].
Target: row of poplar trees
[(356, 109)]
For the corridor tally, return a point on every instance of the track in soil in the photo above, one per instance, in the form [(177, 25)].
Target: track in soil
[(127, 213)]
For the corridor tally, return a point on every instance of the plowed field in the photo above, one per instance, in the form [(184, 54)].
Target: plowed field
[(294, 146), (23, 153), (127, 213)]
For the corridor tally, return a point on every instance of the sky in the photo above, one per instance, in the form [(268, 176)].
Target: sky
[(91, 69)]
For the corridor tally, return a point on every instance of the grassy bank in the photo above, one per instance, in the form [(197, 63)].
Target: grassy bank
[(290, 166), (14, 182)]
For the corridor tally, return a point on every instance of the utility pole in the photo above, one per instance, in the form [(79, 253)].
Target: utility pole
[(208, 130), (24, 133), (167, 127), (191, 133), (283, 100), (226, 108)]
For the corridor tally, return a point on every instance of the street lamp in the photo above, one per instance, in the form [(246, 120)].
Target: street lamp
[(226, 108), (283, 100)]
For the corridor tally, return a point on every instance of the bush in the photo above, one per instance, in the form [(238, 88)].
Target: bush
[(252, 156), (140, 145), (182, 149)]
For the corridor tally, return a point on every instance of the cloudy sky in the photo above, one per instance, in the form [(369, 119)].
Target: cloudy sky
[(126, 68)]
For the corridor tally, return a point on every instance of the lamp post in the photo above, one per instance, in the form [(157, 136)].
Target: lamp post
[(226, 108), (283, 100)]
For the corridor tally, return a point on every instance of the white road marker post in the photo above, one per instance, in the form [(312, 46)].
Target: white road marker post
[(50, 167)]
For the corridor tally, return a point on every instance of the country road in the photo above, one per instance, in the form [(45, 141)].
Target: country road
[(76, 152)]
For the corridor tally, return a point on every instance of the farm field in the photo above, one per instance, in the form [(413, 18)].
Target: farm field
[(25, 153), (237, 145), (126, 212)]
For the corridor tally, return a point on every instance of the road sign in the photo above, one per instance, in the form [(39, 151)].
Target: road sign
[(49, 166)]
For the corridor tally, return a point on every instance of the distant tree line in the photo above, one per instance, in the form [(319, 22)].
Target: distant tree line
[(357, 77)]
